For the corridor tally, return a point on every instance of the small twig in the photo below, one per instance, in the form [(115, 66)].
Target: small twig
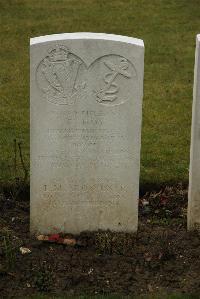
[(5, 247), (15, 158), (19, 186), (22, 162)]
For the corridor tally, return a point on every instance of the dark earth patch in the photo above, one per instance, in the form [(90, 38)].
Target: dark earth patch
[(161, 258)]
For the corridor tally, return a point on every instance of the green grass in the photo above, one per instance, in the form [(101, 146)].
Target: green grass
[(120, 297), (168, 28)]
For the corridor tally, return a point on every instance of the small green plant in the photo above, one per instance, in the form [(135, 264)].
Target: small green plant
[(43, 278), (103, 242), (9, 251), (107, 242)]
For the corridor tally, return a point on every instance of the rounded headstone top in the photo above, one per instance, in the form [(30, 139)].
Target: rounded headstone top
[(86, 35)]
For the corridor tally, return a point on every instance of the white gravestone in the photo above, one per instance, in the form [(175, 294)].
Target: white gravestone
[(86, 112), (194, 177)]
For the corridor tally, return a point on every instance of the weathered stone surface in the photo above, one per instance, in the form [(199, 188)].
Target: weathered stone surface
[(194, 177), (86, 112)]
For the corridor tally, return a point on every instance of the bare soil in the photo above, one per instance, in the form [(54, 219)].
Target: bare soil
[(162, 257)]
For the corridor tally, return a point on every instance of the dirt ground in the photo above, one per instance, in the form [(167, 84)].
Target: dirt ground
[(161, 258)]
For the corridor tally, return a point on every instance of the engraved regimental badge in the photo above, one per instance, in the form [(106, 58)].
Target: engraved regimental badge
[(60, 76)]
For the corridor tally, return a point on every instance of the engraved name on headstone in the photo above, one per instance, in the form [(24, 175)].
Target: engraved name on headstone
[(194, 177), (86, 112)]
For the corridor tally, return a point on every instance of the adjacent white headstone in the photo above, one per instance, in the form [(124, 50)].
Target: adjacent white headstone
[(86, 112), (194, 177)]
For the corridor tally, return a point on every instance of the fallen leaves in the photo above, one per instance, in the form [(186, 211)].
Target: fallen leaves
[(57, 238)]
